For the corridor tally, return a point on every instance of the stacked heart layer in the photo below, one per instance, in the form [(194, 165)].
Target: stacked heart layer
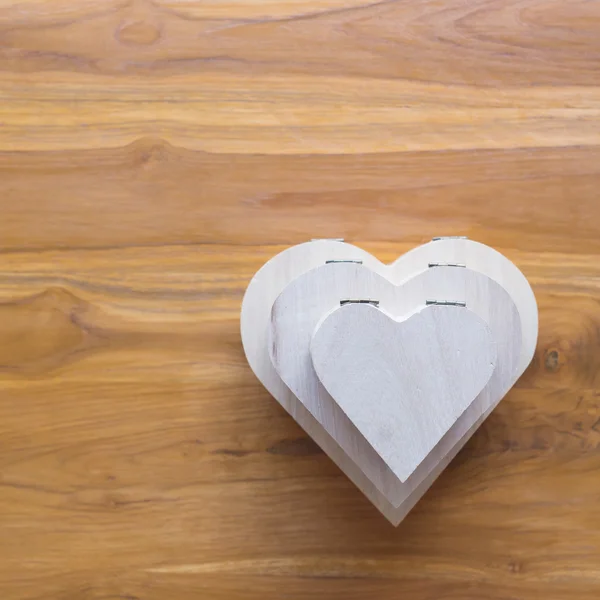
[(389, 368)]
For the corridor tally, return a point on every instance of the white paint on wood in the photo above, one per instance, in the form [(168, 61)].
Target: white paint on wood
[(403, 384), (282, 269)]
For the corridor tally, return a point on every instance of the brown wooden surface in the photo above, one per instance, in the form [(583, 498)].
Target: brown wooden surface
[(152, 156)]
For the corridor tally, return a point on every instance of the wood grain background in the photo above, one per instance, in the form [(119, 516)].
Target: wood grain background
[(153, 154)]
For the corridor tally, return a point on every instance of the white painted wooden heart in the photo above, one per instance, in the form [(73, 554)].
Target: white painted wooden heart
[(403, 383), (338, 438)]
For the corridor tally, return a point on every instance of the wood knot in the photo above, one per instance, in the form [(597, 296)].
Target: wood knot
[(552, 360)]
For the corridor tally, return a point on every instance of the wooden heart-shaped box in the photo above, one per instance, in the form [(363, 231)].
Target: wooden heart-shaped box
[(389, 368)]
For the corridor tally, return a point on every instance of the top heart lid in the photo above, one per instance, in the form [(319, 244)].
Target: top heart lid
[(403, 383)]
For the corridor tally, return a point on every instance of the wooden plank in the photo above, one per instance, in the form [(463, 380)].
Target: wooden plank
[(492, 44), (131, 197)]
